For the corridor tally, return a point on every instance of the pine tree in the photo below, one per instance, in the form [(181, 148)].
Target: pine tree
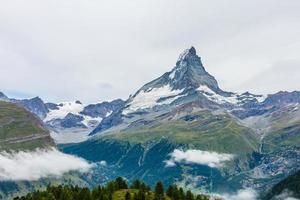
[(170, 191), (181, 194), (120, 183), (159, 191), (141, 195), (135, 196), (189, 195), (136, 184), (127, 196)]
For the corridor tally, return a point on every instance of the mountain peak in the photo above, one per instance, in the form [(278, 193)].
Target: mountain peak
[(190, 72), (191, 52)]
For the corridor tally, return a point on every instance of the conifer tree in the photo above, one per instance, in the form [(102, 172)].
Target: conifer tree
[(159, 191), (127, 196)]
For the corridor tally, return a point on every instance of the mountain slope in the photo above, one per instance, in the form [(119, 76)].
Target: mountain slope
[(184, 110), (21, 130), (290, 186), (201, 130)]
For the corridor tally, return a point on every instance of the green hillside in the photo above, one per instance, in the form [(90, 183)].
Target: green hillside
[(142, 152), (289, 185), (282, 129), (201, 130), (20, 129)]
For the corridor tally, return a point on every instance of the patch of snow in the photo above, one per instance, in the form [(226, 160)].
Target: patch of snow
[(296, 107), (108, 113), (87, 119), (172, 75), (211, 95), (233, 99), (261, 98), (64, 109), (183, 55), (74, 108), (148, 99)]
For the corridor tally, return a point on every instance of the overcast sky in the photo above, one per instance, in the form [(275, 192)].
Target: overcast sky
[(96, 50)]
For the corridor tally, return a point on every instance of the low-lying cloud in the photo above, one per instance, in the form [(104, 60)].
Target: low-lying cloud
[(192, 156), (245, 194), (285, 195), (38, 164)]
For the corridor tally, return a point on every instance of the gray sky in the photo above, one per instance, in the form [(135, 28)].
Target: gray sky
[(96, 50)]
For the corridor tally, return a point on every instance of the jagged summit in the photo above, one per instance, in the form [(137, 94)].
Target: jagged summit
[(184, 83), (187, 53), (188, 74)]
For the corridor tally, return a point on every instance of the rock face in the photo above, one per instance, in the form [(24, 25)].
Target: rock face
[(51, 106), (102, 109), (69, 121), (188, 73), (34, 105)]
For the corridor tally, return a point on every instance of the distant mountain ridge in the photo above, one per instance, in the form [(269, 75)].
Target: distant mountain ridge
[(67, 116)]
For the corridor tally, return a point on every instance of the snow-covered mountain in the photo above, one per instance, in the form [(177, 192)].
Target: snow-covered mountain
[(78, 114), (72, 121), (68, 121), (188, 83)]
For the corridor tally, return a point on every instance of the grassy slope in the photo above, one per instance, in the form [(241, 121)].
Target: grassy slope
[(284, 130), (21, 130), (141, 152), (208, 132)]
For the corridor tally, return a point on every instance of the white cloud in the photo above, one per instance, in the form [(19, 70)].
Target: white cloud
[(245, 194), (250, 194), (192, 156), (101, 50), (285, 195), (38, 164), (103, 163)]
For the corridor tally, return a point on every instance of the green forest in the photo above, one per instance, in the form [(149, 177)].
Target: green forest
[(114, 190)]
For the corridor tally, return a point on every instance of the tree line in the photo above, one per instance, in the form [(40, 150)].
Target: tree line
[(138, 190)]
